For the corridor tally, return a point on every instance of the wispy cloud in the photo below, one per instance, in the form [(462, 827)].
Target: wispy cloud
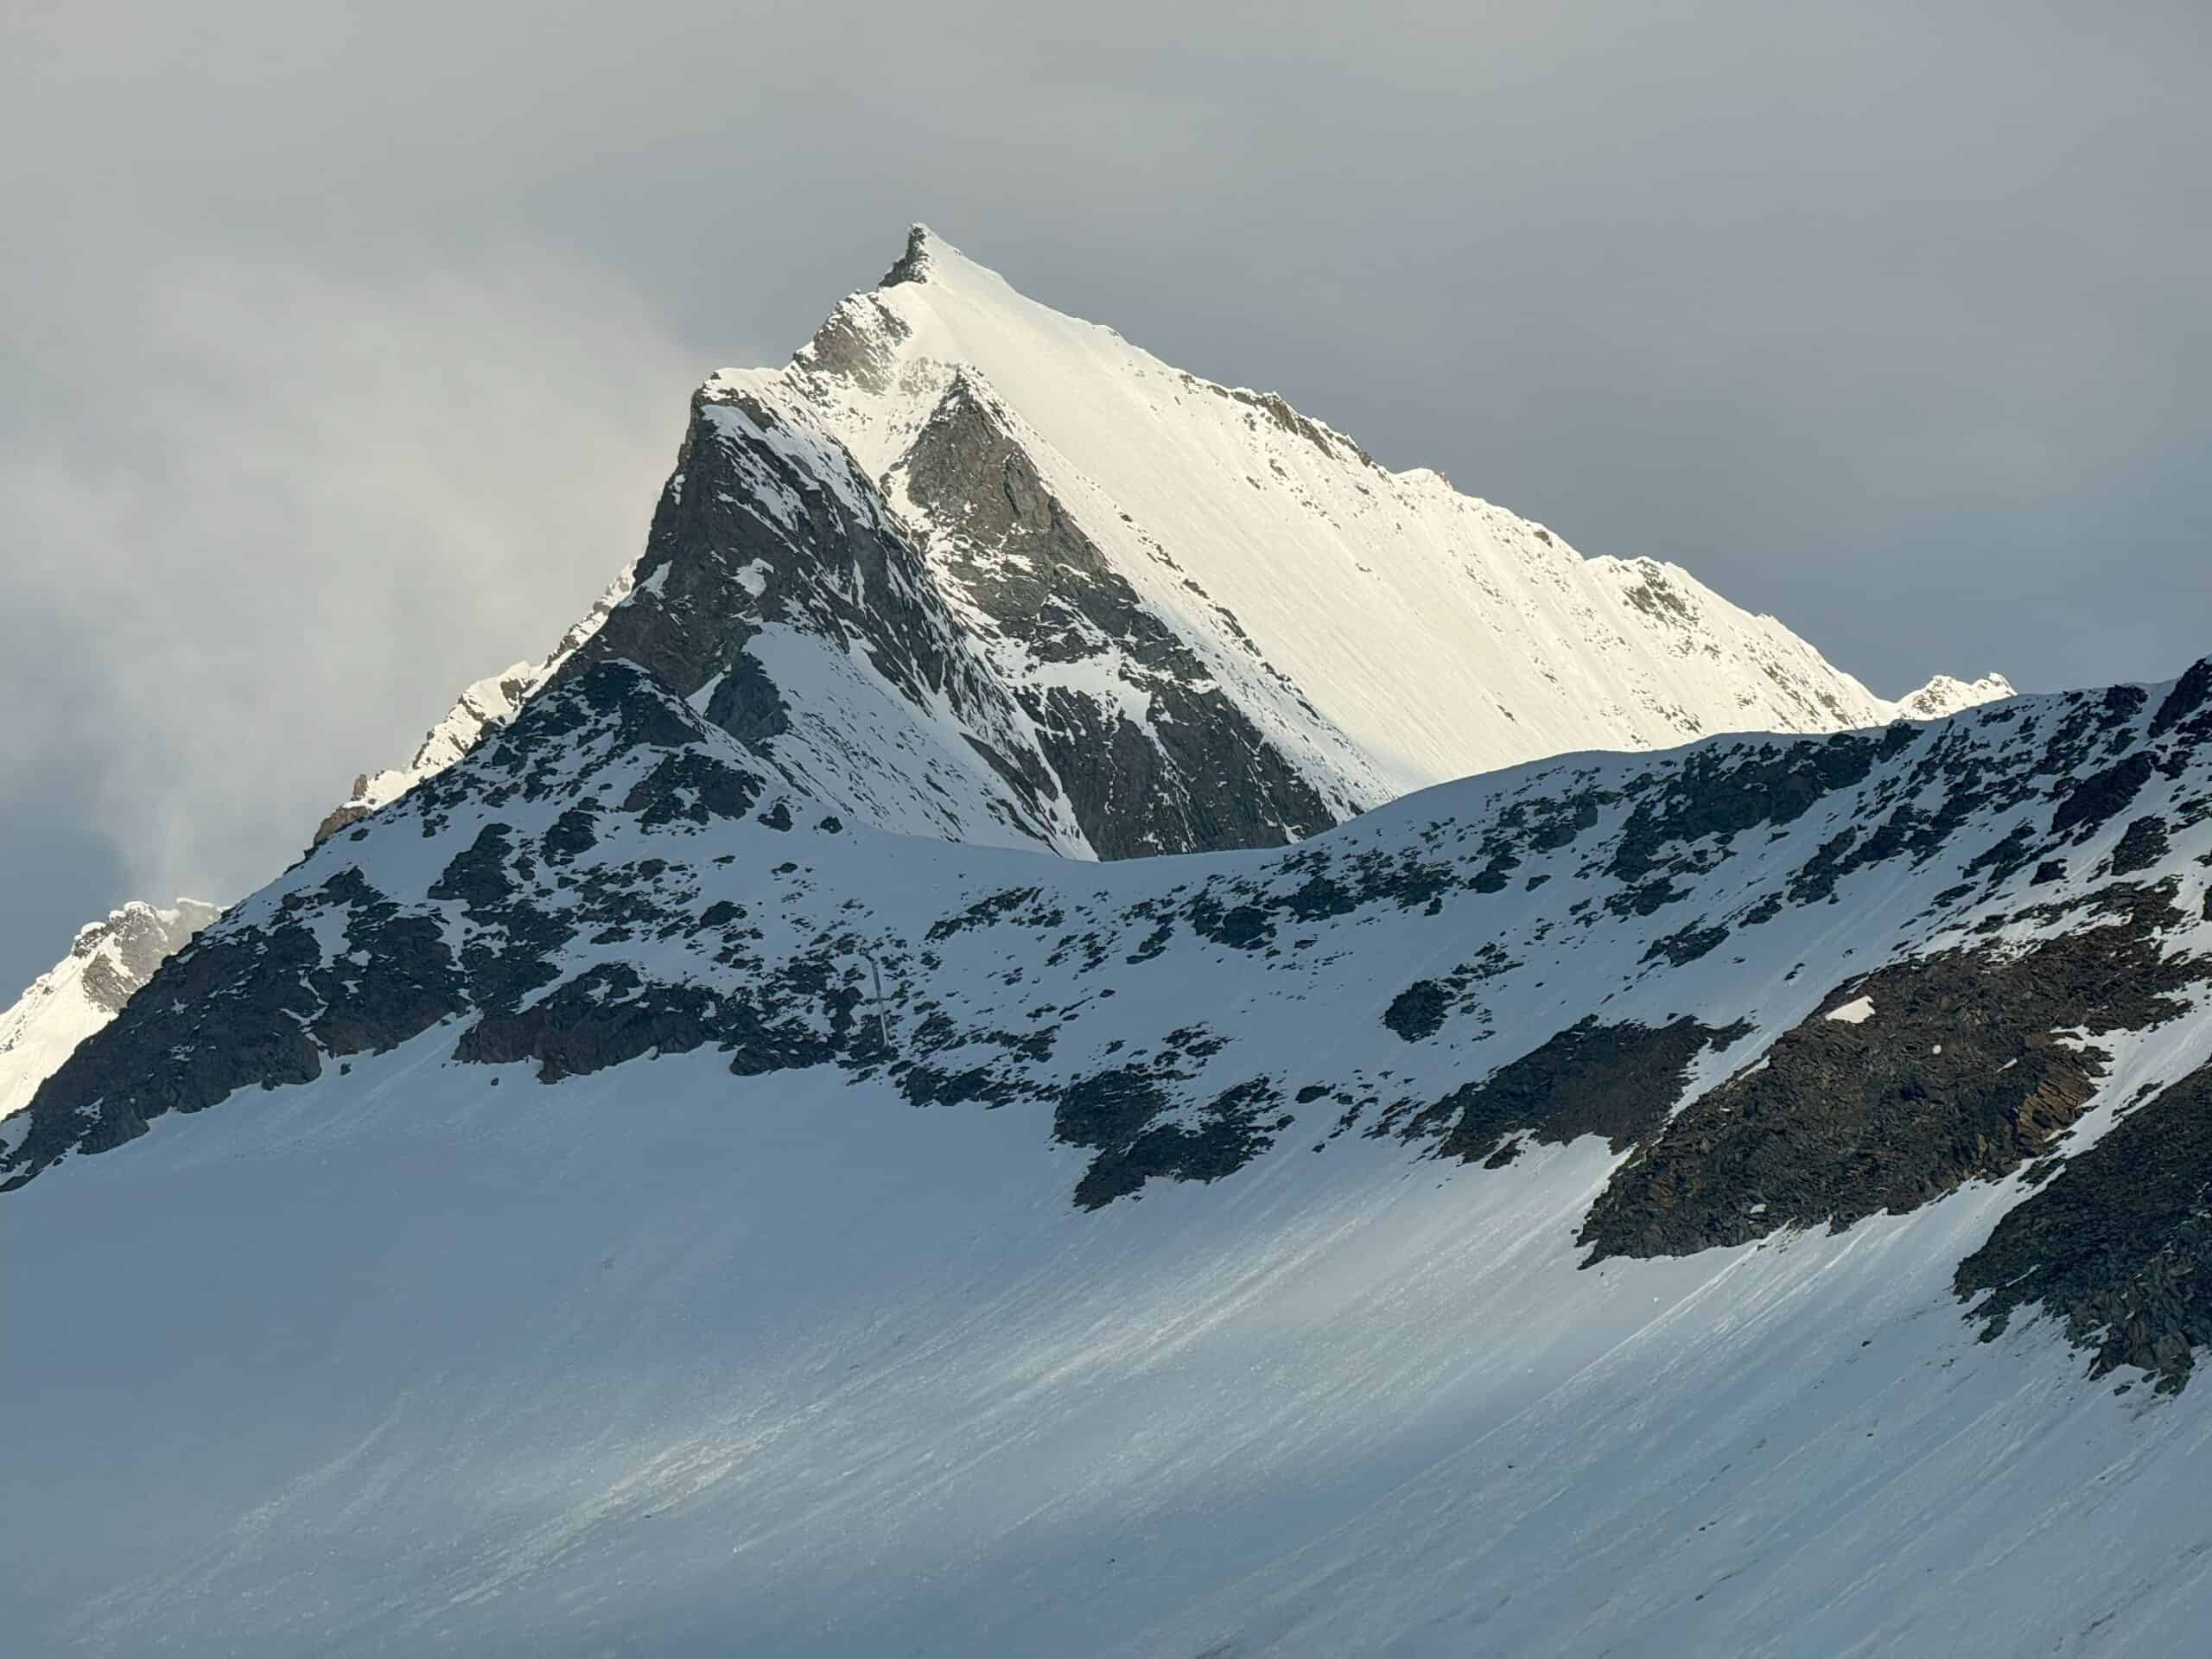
[(270, 516)]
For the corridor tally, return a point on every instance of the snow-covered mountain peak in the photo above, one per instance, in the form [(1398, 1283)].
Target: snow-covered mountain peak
[(925, 248), (928, 258), (968, 566), (1408, 633), (695, 1174)]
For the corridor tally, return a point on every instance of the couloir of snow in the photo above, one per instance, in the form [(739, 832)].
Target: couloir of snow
[(429, 1358), (107, 961), (1397, 633)]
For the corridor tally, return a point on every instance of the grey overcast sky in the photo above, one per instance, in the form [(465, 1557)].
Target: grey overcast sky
[(343, 346)]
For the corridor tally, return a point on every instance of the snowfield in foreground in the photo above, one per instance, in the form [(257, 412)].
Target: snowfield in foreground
[(659, 1362)]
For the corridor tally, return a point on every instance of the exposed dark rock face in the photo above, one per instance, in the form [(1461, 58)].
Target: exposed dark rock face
[(768, 526), (1197, 774), (259, 1000), (1616, 1081), (2143, 844), (1957, 1072), (245, 1007), (1723, 792), (2191, 697), (2118, 1244), (2101, 796), (611, 1014), (1123, 1114), (912, 265), (1419, 1010)]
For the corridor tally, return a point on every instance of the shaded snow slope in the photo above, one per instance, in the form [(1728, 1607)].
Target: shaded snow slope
[(108, 960), (1255, 1252)]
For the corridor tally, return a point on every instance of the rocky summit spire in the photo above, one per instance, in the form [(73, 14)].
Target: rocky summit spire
[(912, 265)]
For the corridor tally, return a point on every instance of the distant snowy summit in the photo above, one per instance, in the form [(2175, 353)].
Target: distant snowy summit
[(1944, 696), (968, 567), (107, 963)]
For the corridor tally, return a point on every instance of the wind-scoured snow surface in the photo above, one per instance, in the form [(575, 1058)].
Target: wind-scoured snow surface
[(1372, 1246), (108, 960)]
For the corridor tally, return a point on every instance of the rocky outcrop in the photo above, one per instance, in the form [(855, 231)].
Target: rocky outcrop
[(778, 597), (1958, 1066), (2116, 1244), (1155, 754), (1619, 1082), (491, 703)]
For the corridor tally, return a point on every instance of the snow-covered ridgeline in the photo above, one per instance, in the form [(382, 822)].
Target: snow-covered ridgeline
[(491, 701), (754, 1332)]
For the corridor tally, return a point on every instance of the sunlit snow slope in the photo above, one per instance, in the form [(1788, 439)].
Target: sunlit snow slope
[(1386, 630), (1745, 1199)]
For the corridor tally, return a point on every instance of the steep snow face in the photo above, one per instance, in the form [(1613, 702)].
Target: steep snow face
[(1384, 631), (1467, 1230), (107, 963)]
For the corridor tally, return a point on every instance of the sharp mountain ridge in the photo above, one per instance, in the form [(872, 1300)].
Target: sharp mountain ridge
[(968, 567)]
